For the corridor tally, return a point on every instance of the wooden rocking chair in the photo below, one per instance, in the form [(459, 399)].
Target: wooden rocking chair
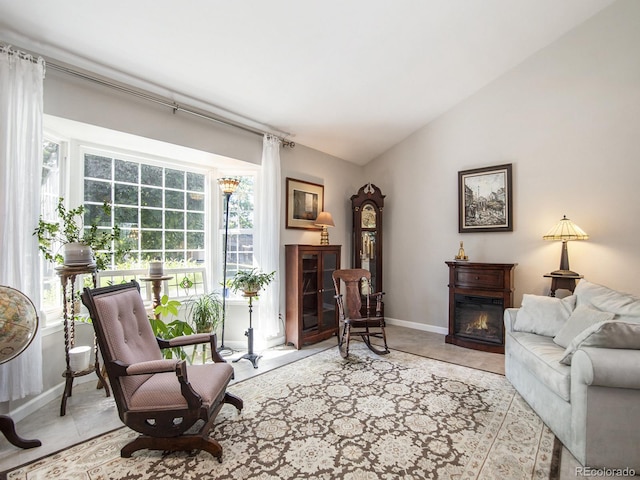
[(349, 309)]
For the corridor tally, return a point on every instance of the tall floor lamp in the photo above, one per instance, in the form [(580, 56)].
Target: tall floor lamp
[(228, 185)]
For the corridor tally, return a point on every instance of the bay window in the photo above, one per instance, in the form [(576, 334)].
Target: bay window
[(167, 209)]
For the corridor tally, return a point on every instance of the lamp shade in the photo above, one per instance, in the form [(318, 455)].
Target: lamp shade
[(228, 185), (325, 219), (566, 230)]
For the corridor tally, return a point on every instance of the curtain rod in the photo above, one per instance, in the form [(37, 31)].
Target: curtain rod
[(140, 94), (164, 102), (20, 54)]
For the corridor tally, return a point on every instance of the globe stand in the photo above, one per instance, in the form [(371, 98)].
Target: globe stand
[(252, 357), (8, 428), (19, 323)]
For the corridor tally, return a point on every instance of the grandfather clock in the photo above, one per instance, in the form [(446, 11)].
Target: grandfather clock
[(367, 232)]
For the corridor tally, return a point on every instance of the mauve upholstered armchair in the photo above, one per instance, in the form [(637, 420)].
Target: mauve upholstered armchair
[(155, 396)]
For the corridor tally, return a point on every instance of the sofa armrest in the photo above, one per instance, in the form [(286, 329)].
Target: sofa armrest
[(607, 367), (510, 318)]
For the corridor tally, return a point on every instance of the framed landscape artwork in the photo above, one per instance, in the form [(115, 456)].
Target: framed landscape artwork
[(485, 200), (304, 202)]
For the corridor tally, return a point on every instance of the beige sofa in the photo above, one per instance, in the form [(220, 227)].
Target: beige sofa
[(576, 361)]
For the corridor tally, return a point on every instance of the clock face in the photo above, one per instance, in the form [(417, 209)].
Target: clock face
[(368, 217)]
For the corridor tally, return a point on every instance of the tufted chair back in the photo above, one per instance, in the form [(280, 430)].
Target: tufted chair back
[(127, 334)]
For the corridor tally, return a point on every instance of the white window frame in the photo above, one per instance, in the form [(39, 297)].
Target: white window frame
[(254, 172)]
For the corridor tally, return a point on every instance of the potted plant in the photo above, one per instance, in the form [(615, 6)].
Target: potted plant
[(79, 245), (205, 312), (167, 331), (251, 282)]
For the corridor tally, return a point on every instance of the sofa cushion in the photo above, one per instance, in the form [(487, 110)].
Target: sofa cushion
[(609, 334), (624, 305), (541, 356), (585, 291), (543, 315), (581, 318)]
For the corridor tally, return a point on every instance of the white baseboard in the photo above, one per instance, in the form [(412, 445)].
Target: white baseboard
[(417, 326)]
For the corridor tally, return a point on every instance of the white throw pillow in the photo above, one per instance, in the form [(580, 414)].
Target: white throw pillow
[(585, 291), (609, 334), (543, 315), (581, 318), (625, 306)]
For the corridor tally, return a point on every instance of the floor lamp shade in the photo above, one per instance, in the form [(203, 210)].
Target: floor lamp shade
[(564, 231)]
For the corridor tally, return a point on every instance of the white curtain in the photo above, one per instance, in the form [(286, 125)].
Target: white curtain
[(21, 108), (267, 241)]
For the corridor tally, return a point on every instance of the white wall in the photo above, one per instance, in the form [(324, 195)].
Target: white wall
[(568, 120)]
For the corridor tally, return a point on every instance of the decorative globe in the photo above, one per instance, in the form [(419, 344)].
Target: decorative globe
[(18, 323)]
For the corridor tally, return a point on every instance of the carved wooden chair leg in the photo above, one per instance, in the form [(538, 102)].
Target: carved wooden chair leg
[(8, 428), (174, 444), (231, 399), (343, 341), (374, 348)]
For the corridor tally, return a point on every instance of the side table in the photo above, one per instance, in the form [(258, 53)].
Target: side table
[(156, 283), (68, 276), (567, 282)]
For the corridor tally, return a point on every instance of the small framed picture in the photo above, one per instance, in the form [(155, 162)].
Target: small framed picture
[(305, 201), (485, 200)]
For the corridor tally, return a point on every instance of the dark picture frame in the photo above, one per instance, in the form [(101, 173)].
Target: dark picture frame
[(305, 200), (485, 199)]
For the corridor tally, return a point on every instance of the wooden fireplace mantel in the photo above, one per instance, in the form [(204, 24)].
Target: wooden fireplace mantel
[(488, 280)]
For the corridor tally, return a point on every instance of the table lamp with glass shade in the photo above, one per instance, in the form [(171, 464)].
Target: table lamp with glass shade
[(324, 220), (564, 231), (228, 185)]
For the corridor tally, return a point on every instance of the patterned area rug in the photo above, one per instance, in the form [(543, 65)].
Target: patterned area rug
[(368, 417)]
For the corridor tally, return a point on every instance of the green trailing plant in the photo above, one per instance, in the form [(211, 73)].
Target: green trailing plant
[(251, 281), (167, 331), (70, 228)]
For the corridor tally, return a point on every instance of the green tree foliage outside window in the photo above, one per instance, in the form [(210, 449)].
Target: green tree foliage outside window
[(160, 210)]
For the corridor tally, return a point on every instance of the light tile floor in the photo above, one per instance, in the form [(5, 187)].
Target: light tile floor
[(90, 413)]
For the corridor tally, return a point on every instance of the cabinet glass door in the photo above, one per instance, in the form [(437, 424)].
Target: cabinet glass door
[(329, 264), (310, 309)]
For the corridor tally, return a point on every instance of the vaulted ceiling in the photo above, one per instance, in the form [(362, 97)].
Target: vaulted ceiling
[(347, 77)]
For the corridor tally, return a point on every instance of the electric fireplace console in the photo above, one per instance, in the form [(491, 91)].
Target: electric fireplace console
[(478, 295)]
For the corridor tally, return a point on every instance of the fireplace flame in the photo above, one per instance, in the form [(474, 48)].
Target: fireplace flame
[(480, 323)]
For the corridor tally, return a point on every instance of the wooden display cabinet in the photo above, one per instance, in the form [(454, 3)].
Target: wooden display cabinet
[(311, 306)]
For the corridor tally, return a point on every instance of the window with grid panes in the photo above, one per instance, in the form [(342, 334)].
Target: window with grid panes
[(160, 210)]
